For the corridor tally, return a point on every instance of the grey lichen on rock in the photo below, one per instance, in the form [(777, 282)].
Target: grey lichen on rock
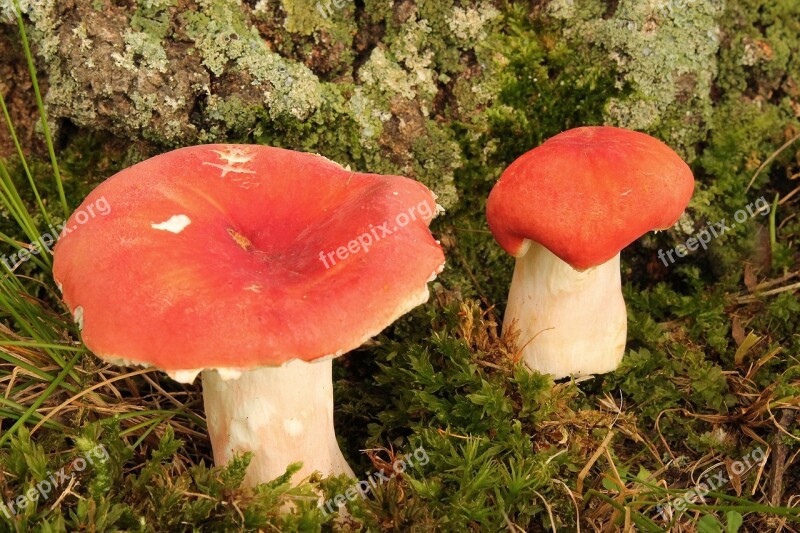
[(666, 50), (225, 40), (377, 84), (108, 70), (176, 72)]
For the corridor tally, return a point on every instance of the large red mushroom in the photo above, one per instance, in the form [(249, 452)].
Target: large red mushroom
[(565, 210), (210, 261)]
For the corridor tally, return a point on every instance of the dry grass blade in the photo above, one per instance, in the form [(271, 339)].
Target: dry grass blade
[(770, 159)]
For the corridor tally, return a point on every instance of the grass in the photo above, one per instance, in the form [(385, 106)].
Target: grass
[(710, 376)]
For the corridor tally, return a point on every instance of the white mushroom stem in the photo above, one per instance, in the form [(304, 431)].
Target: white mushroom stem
[(281, 414), (570, 322)]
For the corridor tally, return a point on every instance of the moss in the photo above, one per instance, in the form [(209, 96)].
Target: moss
[(316, 33), (230, 116), (462, 106), (369, 119), (341, 143), (755, 114), (304, 17), (437, 157), (152, 17)]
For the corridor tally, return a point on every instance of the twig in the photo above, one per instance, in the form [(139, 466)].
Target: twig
[(771, 283), (592, 460), (751, 298), (58, 408), (779, 461), (788, 196), (770, 159), (549, 512)]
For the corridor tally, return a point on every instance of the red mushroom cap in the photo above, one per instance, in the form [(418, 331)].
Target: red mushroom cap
[(587, 193), (211, 257)]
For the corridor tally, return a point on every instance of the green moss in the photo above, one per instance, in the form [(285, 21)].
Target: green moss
[(450, 93), (305, 17), (437, 156), (319, 34), (228, 117), (752, 118), (153, 18)]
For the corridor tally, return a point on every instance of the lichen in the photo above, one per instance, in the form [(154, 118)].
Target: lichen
[(42, 14), (369, 118), (141, 51), (229, 115), (387, 76), (224, 39), (372, 85), (470, 24), (304, 17), (8, 9), (666, 50), (80, 33)]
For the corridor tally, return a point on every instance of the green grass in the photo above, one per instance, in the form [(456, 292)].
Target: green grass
[(711, 372)]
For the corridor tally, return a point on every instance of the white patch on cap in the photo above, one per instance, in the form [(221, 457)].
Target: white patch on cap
[(121, 361), (253, 288), (524, 247), (77, 315), (230, 168), (234, 158), (332, 161), (60, 287), (293, 426), (183, 376), (175, 224), (436, 273), (229, 373), (234, 155)]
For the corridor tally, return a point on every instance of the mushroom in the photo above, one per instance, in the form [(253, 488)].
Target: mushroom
[(565, 210), (210, 261)]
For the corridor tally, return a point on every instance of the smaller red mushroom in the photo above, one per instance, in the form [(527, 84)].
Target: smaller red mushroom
[(210, 261), (565, 210)]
